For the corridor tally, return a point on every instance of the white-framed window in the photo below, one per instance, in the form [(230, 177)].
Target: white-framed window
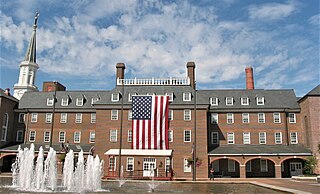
[(79, 101), (63, 117), (21, 117), (187, 115), (170, 115), (77, 137), (64, 101), (248, 166), (187, 136), (214, 118), (246, 138), (129, 135), (187, 96), (170, 135), (48, 117), (129, 114), (62, 136), (4, 130), (244, 101), (260, 100), (93, 118), (114, 114), (214, 101), (245, 118), (78, 118), (115, 97), (167, 164), (130, 96), (261, 118), (94, 100), (263, 165), (113, 135), (278, 137), (230, 117), (231, 166), (32, 136), (294, 137), (112, 164), (230, 138), (19, 137), (170, 96), (46, 136), (276, 117), (214, 138), (292, 118), (262, 137), (130, 164), (49, 101), (186, 167), (92, 137), (229, 101), (34, 117)]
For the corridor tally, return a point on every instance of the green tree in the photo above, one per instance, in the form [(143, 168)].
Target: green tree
[(310, 165)]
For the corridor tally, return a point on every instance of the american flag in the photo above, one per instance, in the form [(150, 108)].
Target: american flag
[(150, 122)]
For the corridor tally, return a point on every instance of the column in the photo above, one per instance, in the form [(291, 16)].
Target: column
[(242, 168), (277, 169)]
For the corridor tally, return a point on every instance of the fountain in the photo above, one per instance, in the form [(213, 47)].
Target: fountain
[(42, 176), (153, 183), (121, 180)]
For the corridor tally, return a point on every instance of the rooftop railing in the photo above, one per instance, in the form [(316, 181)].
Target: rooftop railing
[(154, 81)]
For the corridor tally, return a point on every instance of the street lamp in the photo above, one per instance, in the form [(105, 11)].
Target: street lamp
[(53, 112)]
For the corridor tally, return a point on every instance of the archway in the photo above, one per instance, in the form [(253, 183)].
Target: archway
[(260, 167), (292, 167), (6, 162), (225, 167)]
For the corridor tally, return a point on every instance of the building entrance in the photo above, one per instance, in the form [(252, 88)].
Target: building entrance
[(149, 164), (295, 168)]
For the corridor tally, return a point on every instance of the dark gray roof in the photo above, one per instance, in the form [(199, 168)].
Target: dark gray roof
[(56, 147), (2, 94), (39, 99), (314, 92), (285, 99), (260, 150)]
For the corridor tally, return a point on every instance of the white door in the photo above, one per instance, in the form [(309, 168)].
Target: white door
[(295, 168), (149, 164)]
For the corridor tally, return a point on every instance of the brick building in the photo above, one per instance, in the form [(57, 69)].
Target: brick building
[(240, 133)]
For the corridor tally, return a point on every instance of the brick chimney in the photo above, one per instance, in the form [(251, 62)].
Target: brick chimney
[(52, 86), (190, 68), (7, 91), (249, 78), (120, 71)]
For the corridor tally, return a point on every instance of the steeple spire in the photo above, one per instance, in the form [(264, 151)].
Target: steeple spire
[(28, 67)]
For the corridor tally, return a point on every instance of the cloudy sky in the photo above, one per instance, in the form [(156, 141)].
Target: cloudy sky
[(79, 42)]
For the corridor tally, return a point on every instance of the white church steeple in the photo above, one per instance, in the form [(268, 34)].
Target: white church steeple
[(28, 67)]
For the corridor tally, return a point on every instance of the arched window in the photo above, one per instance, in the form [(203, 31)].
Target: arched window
[(4, 127)]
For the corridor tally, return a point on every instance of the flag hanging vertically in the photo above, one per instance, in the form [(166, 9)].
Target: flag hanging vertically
[(150, 122)]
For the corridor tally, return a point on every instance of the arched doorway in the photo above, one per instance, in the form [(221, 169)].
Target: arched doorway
[(292, 167), (225, 167), (6, 162), (260, 167)]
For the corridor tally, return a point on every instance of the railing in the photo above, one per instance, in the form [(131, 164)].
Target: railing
[(155, 81), (138, 174)]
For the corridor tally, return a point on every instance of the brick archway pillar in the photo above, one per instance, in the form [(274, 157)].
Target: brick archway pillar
[(277, 169), (242, 168)]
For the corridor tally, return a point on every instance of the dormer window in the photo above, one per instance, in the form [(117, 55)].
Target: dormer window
[(79, 101), (94, 100), (115, 97), (244, 101), (187, 96), (49, 101), (214, 101), (170, 96), (130, 96), (64, 101), (229, 101), (260, 100)]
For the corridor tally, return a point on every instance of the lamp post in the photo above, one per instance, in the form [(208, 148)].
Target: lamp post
[(53, 112), (121, 124), (194, 174)]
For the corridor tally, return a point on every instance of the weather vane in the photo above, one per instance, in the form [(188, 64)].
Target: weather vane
[(36, 17)]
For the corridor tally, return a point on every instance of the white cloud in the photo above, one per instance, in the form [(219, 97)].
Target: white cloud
[(272, 11), (315, 20)]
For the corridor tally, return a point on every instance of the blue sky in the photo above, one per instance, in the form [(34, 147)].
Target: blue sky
[(79, 42)]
